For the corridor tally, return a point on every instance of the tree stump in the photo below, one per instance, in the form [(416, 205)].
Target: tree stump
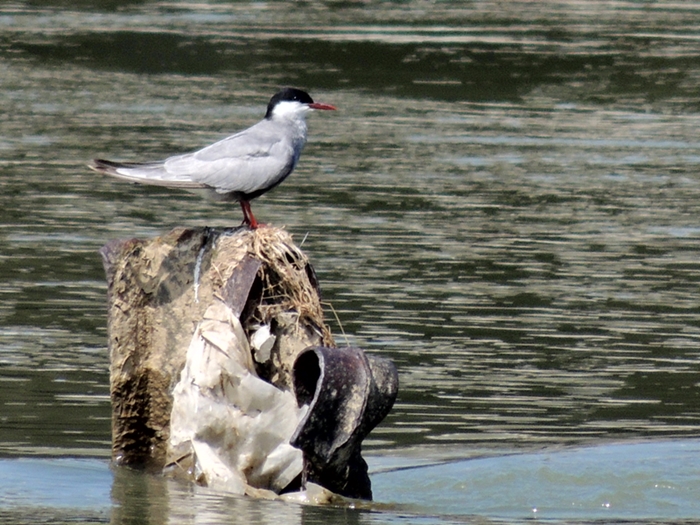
[(205, 328)]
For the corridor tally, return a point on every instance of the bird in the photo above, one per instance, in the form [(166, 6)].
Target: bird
[(240, 167)]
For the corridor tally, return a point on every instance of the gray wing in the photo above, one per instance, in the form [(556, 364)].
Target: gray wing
[(144, 172), (252, 160), (246, 162)]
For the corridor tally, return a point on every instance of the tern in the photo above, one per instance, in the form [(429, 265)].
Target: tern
[(238, 168)]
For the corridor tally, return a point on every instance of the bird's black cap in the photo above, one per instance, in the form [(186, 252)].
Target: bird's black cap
[(287, 94)]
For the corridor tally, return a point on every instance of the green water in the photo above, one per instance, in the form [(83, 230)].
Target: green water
[(505, 204)]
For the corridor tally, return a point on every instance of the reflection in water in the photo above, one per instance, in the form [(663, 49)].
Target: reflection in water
[(622, 482), (154, 500)]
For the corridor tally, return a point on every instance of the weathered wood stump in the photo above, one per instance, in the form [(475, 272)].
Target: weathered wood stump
[(205, 328)]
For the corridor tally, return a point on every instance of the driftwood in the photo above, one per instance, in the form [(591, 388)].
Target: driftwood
[(205, 331)]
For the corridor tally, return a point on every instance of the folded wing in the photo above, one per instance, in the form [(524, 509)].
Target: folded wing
[(248, 162)]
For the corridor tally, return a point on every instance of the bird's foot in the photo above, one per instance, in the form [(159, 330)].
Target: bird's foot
[(254, 226), (248, 217)]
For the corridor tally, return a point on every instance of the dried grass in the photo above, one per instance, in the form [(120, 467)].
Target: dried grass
[(284, 276)]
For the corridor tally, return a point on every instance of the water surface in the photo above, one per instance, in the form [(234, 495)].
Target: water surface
[(506, 203), (606, 483)]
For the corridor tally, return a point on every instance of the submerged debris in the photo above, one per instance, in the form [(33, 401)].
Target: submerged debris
[(206, 332), (229, 429)]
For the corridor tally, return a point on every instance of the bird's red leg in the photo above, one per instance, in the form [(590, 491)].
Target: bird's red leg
[(248, 217)]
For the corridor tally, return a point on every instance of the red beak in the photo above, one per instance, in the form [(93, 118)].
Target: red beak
[(319, 105)]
